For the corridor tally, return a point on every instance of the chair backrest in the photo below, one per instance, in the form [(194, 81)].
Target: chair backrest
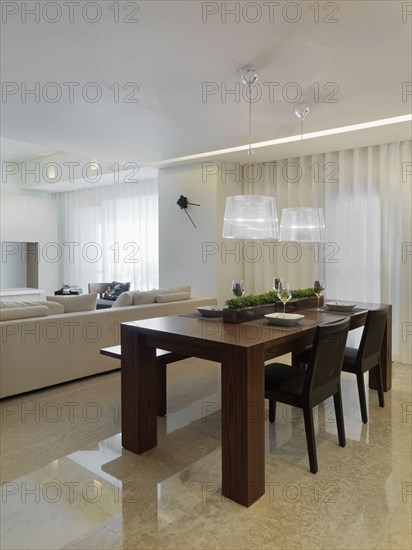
[(98, 288), (325, 365), (372, 336)]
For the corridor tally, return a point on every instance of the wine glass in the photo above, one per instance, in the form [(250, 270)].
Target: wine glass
[(238, 287), (284, 294), (319, 290), (276, 282)]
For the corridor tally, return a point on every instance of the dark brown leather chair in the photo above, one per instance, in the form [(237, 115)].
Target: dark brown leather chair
[(368, 356), (306, 388)]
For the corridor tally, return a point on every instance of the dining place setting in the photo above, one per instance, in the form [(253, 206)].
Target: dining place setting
[(283, 291)]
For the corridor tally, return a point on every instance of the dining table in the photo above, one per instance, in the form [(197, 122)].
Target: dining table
[(241, 349)]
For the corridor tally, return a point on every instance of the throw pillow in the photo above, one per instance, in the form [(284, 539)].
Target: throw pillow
[(73, 304), (115, 289), (54, 307), (183, 288), (144, 297), (172, 297), (125, 299), (11, 314)]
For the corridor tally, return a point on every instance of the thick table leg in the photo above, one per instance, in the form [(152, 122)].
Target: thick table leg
[(161, 389), (164, 358), (138, 392), (243, 444)]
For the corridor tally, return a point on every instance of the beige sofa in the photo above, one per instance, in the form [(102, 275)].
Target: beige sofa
[(46, 350)]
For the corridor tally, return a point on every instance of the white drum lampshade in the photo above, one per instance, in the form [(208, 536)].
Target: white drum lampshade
[(302, 225), (250, 217)]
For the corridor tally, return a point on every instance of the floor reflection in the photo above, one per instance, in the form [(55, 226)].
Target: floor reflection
[(72, 485)]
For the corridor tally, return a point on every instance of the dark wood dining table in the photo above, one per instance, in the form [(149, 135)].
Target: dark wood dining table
[(242, 350)]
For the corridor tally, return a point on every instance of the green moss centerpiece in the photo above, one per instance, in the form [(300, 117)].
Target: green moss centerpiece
[(255, 306)]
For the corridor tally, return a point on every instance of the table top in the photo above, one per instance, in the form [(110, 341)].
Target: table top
[(246, 334)]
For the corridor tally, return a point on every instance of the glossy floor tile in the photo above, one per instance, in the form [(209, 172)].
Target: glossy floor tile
[(67, 482)]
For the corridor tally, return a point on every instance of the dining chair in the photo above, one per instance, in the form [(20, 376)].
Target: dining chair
[(98, 288), (368, 356), (306, 388)]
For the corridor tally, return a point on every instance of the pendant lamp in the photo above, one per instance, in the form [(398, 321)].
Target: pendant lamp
[(304, 223), (250, 216)]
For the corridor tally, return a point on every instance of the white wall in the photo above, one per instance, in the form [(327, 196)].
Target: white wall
[(197, 256), (181, 244), (32, 217), (13, 265)]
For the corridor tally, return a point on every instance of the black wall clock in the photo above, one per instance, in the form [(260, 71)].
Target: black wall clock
[(184, 203)]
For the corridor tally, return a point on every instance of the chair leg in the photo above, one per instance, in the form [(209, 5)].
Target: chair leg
[(310, 439), (379, 384), (337, 401), (272, 410), (362, 396)]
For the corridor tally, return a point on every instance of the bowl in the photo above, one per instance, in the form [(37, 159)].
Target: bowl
[(285, 319), (340, 306), (211, 311)]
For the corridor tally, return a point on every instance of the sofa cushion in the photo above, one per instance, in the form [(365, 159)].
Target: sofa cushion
[(172, 297), (125, 299), (13, 313), (115, 289), (72, 304), (8, 305), (54, 307), (183, 288), (144, 297)]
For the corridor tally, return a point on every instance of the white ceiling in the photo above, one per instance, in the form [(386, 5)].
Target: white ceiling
[(170, 54), (20, 151)]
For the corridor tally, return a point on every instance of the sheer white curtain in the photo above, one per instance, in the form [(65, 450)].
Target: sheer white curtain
[(110, 233), (369, 215), (366, 194)]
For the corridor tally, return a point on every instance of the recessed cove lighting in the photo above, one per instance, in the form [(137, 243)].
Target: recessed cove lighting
[(290, 139)]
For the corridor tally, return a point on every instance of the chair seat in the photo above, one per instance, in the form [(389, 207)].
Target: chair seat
[(284, 378)]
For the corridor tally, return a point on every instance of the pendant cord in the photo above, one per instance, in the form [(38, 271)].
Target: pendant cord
[(301, 163), (250, 134)]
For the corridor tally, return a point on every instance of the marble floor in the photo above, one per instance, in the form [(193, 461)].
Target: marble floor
[(67, 482)]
